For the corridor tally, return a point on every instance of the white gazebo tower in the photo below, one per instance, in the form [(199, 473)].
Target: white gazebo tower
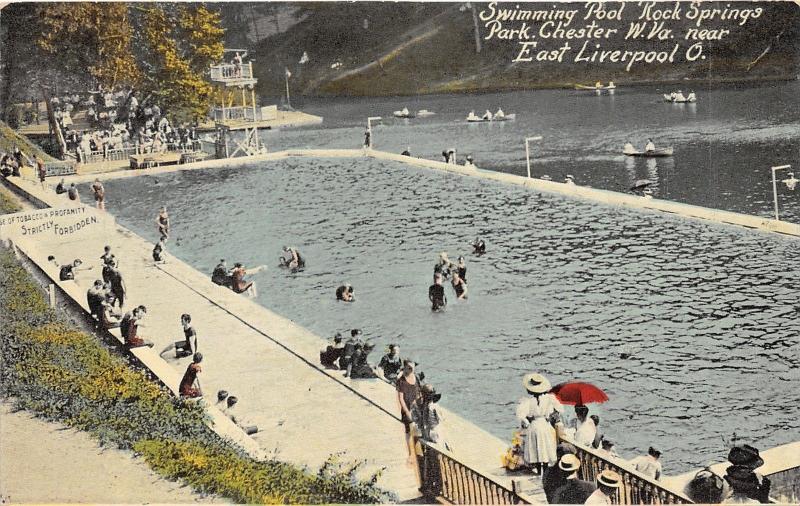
[(232, 116)]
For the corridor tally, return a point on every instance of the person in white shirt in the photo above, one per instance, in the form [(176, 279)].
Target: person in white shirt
[(585, 429), (648, 464), (650, 146)]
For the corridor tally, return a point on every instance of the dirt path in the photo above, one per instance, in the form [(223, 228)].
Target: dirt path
[(45, 462)]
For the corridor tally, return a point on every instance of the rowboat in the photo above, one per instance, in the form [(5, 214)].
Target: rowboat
[(405, 113), (661, 152), (473, 118), (679, 99), (610, 86)]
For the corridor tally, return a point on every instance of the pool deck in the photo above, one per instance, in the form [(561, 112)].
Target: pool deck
[(304, 413)]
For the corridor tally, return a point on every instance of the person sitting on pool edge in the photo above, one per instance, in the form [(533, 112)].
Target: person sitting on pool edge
[(345, 293), (331, 355), (188, 345), (436, 294), (391, 364), (67, 272), (221, 276)]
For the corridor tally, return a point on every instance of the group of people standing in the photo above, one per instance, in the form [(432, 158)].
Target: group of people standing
[(444, 270)]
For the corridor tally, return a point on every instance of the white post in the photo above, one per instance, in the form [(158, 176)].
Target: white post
[(51, 293), (288, 102), (775, 187), (369, 128), (528, 151)]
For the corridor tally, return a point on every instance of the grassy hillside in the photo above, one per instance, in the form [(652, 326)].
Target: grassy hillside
[(410, 48), (9, 139)]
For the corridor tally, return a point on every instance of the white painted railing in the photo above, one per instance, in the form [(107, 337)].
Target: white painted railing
[(231, 71)]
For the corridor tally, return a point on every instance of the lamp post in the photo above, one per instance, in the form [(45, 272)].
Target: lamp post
[(528, 151), (790, 183)]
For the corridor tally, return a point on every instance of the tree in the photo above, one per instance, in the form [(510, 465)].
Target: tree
[(93, 37), (181, 44)]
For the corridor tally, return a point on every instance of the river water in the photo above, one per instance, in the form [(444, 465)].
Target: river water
[(691, 328), (724, 144)]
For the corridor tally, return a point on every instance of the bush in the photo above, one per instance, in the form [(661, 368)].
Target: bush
[(59, 373), (7, 203)]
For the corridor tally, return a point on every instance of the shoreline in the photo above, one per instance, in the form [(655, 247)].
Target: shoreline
[(485, 90)]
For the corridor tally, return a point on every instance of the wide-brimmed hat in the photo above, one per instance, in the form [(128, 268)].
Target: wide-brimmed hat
[(745, 455), (569, 463), (535, 383), (742, 479), (609, 478)]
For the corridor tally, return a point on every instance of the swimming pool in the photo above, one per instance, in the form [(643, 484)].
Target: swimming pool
[(683, 323)]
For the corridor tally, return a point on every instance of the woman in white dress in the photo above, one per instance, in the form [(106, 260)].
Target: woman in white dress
[(534, 412)]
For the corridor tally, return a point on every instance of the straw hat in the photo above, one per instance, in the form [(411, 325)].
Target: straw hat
[(569, 463), (536, 383), (609, 478)]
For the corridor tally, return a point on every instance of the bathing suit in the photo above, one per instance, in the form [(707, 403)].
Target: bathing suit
[(186, 389), (239, 284), (462, 273), (459, 288), (66, 273), (184, 348), (220, 276), (436, 295), (157, 256)]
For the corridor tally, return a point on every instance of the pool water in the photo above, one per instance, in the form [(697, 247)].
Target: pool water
[(691, 328)]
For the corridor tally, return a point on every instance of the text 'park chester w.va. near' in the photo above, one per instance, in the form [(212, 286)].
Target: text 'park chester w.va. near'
[(379, 252)]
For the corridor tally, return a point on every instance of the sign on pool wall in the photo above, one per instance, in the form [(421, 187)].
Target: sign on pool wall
[(55, 224)]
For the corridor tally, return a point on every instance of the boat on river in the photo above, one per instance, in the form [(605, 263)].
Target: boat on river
[(489, 117), (598, 86), (654, 153), (404, 113), (678, 98), (424, 112)]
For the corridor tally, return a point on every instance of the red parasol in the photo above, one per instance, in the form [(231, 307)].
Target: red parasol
[(578, 393)]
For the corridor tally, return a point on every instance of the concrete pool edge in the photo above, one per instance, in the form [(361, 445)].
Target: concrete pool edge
[(605, 197)]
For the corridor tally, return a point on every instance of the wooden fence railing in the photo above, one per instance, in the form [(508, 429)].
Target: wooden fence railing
[(445, 478), (58, 169), (636, 487), (111, 155)]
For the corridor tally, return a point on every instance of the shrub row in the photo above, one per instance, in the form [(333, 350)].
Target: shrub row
[(7, 202), (57, 372)]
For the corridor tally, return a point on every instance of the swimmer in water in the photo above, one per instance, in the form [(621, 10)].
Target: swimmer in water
[(436, 294), (478, 247), (345, 293), (291, 259), (443, 266), (162, 220), (459, 286), (461, 268)]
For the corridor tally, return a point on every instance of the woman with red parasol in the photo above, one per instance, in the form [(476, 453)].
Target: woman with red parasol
[(534, 413)]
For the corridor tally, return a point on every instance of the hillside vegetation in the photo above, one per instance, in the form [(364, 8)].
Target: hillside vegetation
[(412, 48)]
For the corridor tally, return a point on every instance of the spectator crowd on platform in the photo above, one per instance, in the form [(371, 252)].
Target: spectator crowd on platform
[(118, 120)]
